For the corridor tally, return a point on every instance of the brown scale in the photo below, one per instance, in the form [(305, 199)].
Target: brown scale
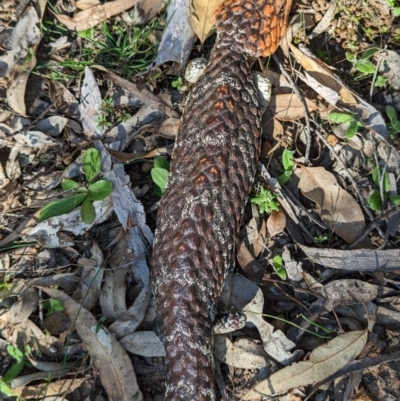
[(212, 172)]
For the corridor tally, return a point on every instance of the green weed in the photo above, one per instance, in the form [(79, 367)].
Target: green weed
[(266, 200), (83, 196)]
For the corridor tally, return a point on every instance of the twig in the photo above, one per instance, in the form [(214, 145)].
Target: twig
[(378, 64), (303, 104), (374, 224)]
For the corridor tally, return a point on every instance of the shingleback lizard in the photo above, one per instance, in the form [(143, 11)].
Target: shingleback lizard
[(212, 171)]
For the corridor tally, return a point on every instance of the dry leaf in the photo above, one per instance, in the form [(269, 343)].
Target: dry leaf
[(49, 389), (287, 107), (88, 290), (335, 206), (86, 4), (244, 353), (276, 222), (115, 367), (90, 18), (324, 361), (202, 16), (178, 38), (319, 77)]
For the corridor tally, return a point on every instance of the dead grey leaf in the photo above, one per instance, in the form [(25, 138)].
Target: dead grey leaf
[(143, 12), (89, 18), (88, 290), (115, 368), (325, 22), (90, 105), (335, 206), (47, 232), (350, 291), (355, 260), (26, 300), (45, 390), (178, 38), (244, 353), (34, 139), (144, 343), (52, 126), (247, 297), (390, 60), (27, 332), (323, 362), (24, 35)]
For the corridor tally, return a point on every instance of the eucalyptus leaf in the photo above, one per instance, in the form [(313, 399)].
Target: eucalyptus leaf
[(91, 160), (88, 214), (62, 206), (99, 190)]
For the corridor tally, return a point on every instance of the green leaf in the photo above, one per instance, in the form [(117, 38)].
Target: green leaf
[(62, 206), (278, 265), (91, 161), (364, 66), (287, 160), (392, 114), (14, 370), (68, 185), (6, 389), (15, 352), (88, 213), (284, 178), (396, 12), (340, 118), (395, 199), (160, 162), (53, 305), (375, 178), (351, 57), (380, 82), (369, 52), (160, 178), (375, 201), (352, 130), (99, 190)]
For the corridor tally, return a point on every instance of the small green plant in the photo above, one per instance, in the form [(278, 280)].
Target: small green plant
[(83, 196), (102, 122), (177, 83), (266, 200), (362, 65), (321, 238), (394, 122), (288, 166), (159, 175), (375, 200), (394, 6), (123, 116), (279, 266), (52, 305), (343, 118), (380, 81), (15, 369)]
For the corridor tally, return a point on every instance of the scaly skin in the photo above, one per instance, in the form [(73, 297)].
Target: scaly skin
[(212, 172)]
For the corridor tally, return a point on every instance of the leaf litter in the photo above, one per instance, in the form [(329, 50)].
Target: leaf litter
[(320, 272)]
